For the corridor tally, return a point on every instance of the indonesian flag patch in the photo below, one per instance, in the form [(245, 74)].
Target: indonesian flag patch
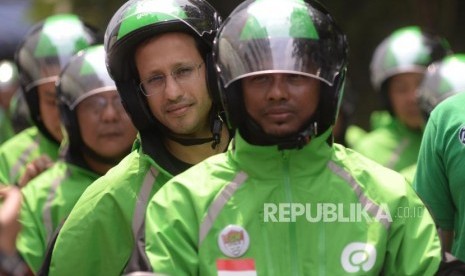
[(237, 267)]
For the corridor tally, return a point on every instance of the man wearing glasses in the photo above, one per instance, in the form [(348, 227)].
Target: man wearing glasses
[(99, 134), (159, 54)]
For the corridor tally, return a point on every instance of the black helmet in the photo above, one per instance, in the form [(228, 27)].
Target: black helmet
[(45, 50), (408, 49), (281, 36), (138, 20), (84, 76)]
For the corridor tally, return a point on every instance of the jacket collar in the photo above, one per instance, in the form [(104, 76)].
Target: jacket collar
[(268, 162)]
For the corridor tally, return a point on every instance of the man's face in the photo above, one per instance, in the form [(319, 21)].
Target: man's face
[(105, 126), (402, 94), (181, 105), (280, 103), (49, 109)]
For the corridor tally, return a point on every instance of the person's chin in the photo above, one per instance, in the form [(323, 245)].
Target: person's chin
[(279, 132), (415, 124)]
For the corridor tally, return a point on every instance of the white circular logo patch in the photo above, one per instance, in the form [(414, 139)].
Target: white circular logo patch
[(233, 241), (358, 256)]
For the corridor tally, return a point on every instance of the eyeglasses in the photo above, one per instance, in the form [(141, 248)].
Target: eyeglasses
[(182, 75), (96, 104)]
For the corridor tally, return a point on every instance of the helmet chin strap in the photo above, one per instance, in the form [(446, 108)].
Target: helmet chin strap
[(301, 139), (255, 134), (216, 136)]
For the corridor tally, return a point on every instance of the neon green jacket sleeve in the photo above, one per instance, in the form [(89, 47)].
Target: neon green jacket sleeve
[(47, 201), (99, 235), (6, 130), (21, 149), (392, 145)]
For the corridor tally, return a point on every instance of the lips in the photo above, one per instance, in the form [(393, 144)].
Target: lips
[(111, 134), (178, 109), (278, 110), (278, 113)]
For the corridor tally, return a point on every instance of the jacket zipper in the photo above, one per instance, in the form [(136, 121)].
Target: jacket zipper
[(292, 225)]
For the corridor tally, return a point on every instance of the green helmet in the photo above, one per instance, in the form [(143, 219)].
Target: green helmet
[(408, 49), (281, 36), (138, 20), (84, 76), (45, 50), (443, 79)]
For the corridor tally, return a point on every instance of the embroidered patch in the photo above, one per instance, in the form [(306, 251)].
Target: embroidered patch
[(233, 241)]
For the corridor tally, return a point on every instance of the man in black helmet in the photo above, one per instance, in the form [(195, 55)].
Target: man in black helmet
[(159, 54), (284, 199)]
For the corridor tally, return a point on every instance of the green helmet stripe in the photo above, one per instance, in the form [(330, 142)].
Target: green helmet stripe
[(149, 12), (300, 25), (61, 35), (445, 86), (452, 69), (92, 61), (406, 47)]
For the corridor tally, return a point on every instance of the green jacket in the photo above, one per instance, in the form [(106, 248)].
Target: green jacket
[(440, 177), (320, 210), (47, 201), (6, 130), (409, 173), (392, 145), (24, 147), (99, 235)]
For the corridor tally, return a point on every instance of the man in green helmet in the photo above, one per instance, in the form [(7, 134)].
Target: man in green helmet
[(159, 54), (283, 199), (397, 68), (99, 133), (44, 51)]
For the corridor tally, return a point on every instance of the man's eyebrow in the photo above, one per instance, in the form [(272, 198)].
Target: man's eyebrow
[(173, 66)]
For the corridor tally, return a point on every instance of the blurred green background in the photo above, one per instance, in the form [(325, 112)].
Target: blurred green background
[(366, 23)]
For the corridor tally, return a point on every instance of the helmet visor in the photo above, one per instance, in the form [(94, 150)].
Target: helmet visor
[(48, 49), (136, 14), (85, 76), (262, 41)]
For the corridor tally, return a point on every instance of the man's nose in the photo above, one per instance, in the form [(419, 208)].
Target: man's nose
[(173, 90), (278, 89)]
